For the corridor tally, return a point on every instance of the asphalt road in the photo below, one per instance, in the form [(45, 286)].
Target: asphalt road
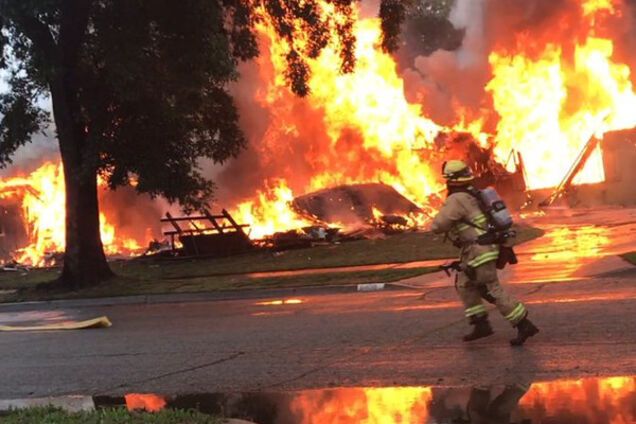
[(396, 337)]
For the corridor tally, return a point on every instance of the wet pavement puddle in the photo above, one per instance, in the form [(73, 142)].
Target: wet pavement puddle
[(610, 400), (564, 253)]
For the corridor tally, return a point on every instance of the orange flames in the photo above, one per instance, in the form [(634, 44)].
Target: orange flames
[(372, 132), (551, 104), (595, 400), (270, 212), (551, 96), (42, 198), (591, 7), (607, 400), (145, 401), (363, 405)]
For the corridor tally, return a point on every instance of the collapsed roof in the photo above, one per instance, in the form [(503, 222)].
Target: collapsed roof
[(348, 204)]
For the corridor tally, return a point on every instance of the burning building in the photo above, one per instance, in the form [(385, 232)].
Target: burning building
[(33, 216), (617, 188)]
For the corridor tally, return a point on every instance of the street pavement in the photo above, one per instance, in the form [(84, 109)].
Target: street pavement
[(405, 337), (396, 337)]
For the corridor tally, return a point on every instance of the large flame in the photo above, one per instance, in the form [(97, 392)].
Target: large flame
[(42, 198), (372, 133), (552, 93), (552, 103)]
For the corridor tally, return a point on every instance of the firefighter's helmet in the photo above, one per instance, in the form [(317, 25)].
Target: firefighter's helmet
[(457, 172)]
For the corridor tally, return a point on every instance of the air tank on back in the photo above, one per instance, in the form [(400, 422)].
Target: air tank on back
[(500, 216)]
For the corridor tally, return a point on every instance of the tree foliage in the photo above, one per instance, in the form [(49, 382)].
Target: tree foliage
[(392, 14), (427, 28)]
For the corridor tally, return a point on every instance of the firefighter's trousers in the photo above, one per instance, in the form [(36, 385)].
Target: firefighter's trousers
[(483, 282)]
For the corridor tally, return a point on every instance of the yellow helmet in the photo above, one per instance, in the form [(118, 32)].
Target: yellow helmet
[(457, 172)]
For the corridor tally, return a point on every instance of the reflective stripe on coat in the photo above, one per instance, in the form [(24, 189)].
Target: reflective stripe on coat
[(459, 208)]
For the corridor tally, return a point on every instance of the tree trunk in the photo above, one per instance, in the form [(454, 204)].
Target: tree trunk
[(84, 259)]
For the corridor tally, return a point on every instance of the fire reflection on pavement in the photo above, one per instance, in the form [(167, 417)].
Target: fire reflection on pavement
[(610, 400)]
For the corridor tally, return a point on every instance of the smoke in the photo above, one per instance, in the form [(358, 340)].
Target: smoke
[(469, 15), (238, 178), (446, 79), (133, 215), (450, 84)]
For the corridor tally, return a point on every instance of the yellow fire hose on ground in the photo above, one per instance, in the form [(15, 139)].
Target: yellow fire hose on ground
[(99, 322)]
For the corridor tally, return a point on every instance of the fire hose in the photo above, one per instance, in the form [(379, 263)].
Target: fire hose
[(457, 267)]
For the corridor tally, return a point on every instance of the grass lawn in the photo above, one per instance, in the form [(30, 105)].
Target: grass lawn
[(630, 257), (106, 416), (122, 285), (151, 276)]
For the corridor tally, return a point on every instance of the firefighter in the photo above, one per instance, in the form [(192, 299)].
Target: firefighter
[(462, 219), (482, 410)]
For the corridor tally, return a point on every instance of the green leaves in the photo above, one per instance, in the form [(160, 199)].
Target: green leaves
[(20, 116), (157, 100)]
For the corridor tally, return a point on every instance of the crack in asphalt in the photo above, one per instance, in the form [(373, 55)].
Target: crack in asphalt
[(536, 289), (175, 372), (359, 355), (429, 291)]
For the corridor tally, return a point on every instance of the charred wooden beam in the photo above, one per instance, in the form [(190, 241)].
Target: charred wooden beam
[(574, 170), (190, 218), (212, 219), (226, 214)]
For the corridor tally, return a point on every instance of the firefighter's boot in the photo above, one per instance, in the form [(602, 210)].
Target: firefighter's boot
[(481, 328), (525, 330)]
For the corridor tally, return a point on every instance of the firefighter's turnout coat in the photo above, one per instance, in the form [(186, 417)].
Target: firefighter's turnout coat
[(463, 220)]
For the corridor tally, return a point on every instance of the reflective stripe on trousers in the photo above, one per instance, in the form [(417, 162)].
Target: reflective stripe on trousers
[(517, 313), (475, 310)]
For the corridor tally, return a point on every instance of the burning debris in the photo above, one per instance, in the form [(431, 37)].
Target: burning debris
[(353, 204), (619, 155), (507, 177), (301, 238), (207, 235)]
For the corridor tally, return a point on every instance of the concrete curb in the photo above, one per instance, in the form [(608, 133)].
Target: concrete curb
[(197, 297), (67, 403)]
